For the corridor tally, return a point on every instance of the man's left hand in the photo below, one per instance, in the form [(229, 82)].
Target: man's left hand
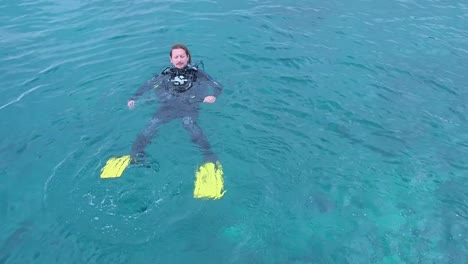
[(209, 99)]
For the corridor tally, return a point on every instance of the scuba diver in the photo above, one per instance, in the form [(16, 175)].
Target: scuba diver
[(180, 90)]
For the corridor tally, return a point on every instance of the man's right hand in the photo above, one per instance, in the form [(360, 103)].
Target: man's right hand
[(131, 104)]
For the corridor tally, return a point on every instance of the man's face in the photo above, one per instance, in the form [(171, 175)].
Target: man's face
[(179, 58)]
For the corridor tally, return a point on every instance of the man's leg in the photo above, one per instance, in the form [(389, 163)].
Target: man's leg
[(197, 137), (144, 138)]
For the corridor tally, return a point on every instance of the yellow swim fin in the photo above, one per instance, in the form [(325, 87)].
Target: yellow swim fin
[(115, 167), (209, 181)]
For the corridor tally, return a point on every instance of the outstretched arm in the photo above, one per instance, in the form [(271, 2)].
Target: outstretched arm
[(155, 81), (217, 87)]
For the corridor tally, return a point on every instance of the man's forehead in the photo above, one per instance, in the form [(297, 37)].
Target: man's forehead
[(178, 51)]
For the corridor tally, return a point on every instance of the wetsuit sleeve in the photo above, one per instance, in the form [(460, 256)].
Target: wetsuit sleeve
[(156, 80), (218, 88)]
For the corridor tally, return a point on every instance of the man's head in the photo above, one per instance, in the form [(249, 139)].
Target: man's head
[(180, 56)]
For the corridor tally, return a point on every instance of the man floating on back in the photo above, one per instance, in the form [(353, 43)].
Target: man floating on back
[(180, 89)]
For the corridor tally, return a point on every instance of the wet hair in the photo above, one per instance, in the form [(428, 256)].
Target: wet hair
[(181, 46)]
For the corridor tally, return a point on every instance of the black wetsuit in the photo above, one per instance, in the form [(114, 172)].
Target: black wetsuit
[(180, 91)]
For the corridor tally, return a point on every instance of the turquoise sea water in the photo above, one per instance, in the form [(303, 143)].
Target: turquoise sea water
[(342, 130)]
